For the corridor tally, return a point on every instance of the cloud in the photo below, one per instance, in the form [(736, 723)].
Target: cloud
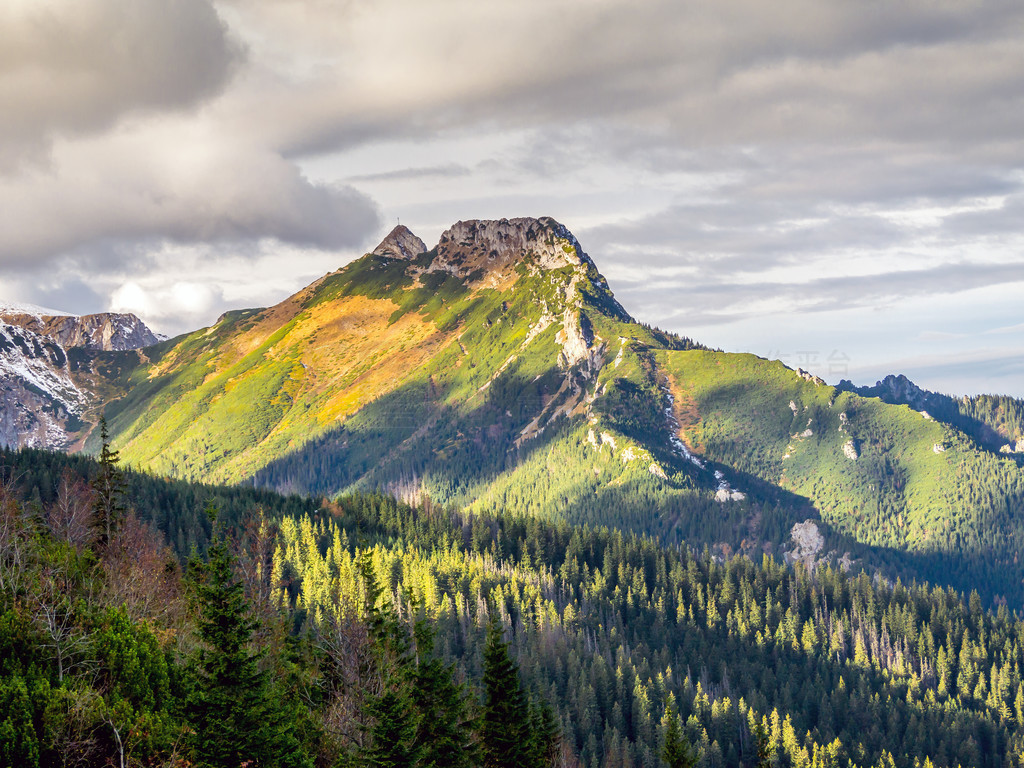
[(73, 68), (741, 72), (71, 295), (449, 170), (164, 303), (795, 157), (116, 196)]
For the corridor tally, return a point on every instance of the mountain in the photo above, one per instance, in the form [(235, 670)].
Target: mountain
[(104, 331), (996, 422), (47, 387), (496, 370)]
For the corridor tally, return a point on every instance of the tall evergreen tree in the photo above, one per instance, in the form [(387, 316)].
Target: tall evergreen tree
[(544, 733), (444, 734), (764, 750), (677, 752), (235, 717), (421, 717), (505, 732), (109, 486), (394, 718)]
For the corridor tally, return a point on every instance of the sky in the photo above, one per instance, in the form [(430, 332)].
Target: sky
[(836, 184)]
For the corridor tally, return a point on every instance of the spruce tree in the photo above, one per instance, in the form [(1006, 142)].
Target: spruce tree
[(109, 486), (394, 717), (444, 734), (677, 752), (420, 718), (505, 733), (235, 717), (764, 752), (544, 734)]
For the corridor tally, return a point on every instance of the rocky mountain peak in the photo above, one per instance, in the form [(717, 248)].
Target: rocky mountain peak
[(103, 331), (495, 245), (400, 243), (900, 389)]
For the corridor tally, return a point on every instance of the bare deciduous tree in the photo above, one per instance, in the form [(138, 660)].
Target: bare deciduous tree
[(351, 678), (15, 535), (53, 612), (72, 517), (142, 574)]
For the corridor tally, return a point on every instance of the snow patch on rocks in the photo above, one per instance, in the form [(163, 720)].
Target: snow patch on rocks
[(37, 394), (34, 310)]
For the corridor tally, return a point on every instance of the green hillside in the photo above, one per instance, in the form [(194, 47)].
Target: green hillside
[(497, 371)]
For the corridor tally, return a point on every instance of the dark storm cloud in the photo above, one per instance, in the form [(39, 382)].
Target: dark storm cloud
[(232, 199)]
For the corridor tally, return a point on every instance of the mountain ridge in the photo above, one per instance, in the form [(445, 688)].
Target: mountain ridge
[(47, 396), (498, 371)]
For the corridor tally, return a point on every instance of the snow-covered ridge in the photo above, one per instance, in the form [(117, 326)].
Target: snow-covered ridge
[(37, 394), (41, 362), (15, 308)]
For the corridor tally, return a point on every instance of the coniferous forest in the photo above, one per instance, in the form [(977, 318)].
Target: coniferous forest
[(216, 627)]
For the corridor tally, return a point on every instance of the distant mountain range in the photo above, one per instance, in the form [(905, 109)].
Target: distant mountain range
[(497, 370), (48, 393)]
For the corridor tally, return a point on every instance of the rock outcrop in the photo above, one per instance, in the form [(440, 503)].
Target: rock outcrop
[(807, 543), (400, 243), (473, 248)]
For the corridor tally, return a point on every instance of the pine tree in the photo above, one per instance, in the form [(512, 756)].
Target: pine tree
[(232, 709), (764, 749), (677, 752), (505, 732), (109, 486), (444, 732), (394, 718)]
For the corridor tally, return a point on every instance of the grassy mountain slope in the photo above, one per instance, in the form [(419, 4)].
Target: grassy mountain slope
[(995, 422), (497, 371), (914, 484)]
